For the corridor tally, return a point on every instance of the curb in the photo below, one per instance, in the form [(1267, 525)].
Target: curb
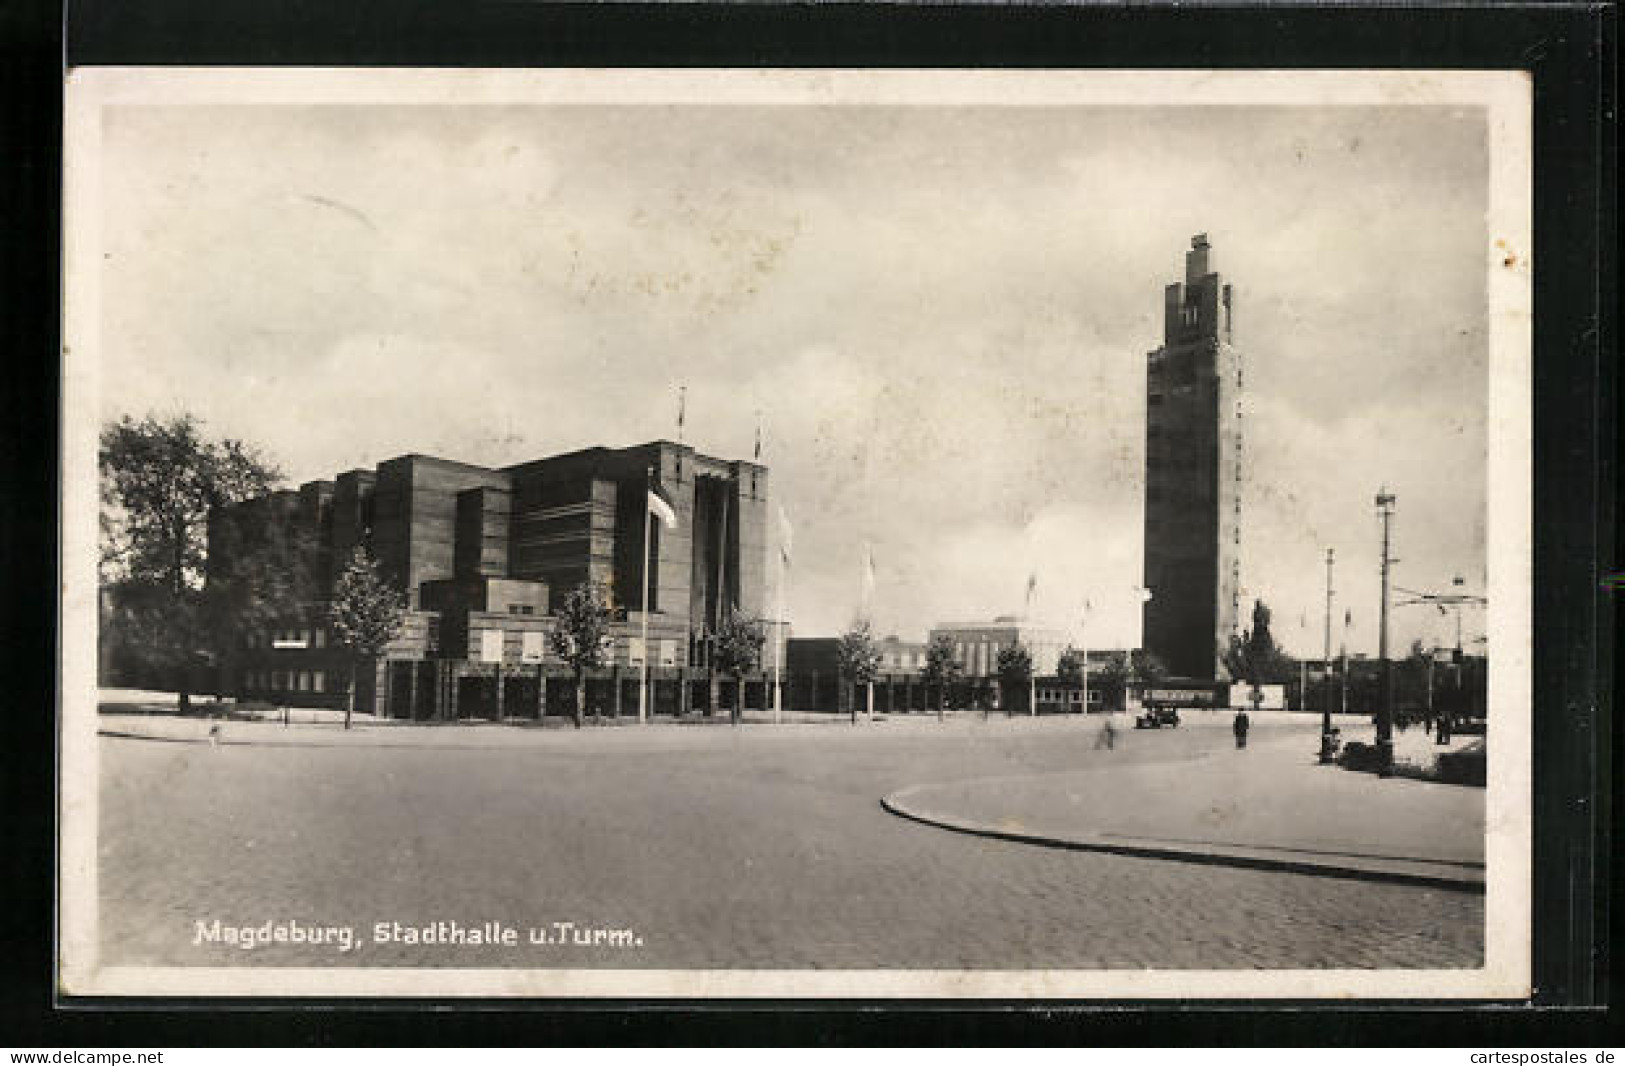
[(1429, 873)]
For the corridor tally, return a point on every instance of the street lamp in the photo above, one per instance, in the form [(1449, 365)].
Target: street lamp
[(1385, 709), (1327, 748)]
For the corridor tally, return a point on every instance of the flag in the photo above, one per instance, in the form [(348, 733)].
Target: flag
[(1032, 586), (868, 576), (758, 453), (682, 403), (785, 537), (661, 507), (1348, 618)]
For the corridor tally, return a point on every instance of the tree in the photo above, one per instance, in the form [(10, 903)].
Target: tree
[(260, 573), (160, 479), (942, 668), (738, 649), (1015, 667), (580, 634), (1138, 667), (1070, 666), (859, 660), (1146, 667), (366, 613), (1254, 656)]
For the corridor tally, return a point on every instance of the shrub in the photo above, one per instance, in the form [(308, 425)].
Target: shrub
[(1358, 756), (1464, 767)]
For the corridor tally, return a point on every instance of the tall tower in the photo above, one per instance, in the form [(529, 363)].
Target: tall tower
[(1193, 475)]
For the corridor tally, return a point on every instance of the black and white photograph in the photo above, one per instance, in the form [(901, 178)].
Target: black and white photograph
[(782, 534)]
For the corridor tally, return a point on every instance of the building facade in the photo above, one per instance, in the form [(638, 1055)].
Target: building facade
[(976, 646), (483, 555), (1194, 474)]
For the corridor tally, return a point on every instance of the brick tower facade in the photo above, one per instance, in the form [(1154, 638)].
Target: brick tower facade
[(1193, 475)]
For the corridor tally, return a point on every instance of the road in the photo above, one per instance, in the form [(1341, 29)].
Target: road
[(702, 847)]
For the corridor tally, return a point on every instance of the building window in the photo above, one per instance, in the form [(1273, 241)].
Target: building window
[(318, 681), (320, 637), (532, 647), (491, 646)]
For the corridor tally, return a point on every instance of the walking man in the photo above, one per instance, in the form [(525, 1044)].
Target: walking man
[(1107, 737)]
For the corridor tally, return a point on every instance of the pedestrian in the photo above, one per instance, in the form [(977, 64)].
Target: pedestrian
[(1441, 735), (1240, 727), (214, 735), (1107, 738)]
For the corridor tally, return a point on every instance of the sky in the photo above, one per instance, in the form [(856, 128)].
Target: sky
[(938, 316)]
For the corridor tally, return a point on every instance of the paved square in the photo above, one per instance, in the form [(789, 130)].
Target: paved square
[(715, 847)]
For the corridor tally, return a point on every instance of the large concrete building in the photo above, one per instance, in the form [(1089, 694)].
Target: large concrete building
[(484, 554), (1193, 474)]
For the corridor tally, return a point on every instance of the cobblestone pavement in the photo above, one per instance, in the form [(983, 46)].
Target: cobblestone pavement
[(754, 849)]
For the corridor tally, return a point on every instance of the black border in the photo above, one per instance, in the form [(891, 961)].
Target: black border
[(1569, 49)]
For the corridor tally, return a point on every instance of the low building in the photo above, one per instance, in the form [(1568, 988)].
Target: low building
[(976, 646), (899, 657)]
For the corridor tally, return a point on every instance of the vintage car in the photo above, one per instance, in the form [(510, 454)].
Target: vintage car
[(1158, 718)]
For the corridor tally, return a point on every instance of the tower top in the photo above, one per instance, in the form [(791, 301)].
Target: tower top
[(1199, 260)]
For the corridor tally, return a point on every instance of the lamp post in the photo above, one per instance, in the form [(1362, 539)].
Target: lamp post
[(1326, 753), (1385, 708), (1145, 596)]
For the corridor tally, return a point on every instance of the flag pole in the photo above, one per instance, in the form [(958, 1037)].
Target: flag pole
[(778, 647), (1083, 636), (648, 542)]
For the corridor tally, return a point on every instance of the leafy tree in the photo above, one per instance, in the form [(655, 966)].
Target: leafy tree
[(738, 649), (1113, 680), (859, 659), (1146, 667), (366, 612), (580, 634), (1254, 656), (160, 479), (1015, 668), (1070, 666), (1138, 667), (942, 668), (260, 572)]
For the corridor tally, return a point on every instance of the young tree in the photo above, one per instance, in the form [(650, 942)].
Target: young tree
[(942, 668), (366, 613), (859, 660), (1254, 656), (738, 650), (1015, 667), (159, 481), (580, 632)]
